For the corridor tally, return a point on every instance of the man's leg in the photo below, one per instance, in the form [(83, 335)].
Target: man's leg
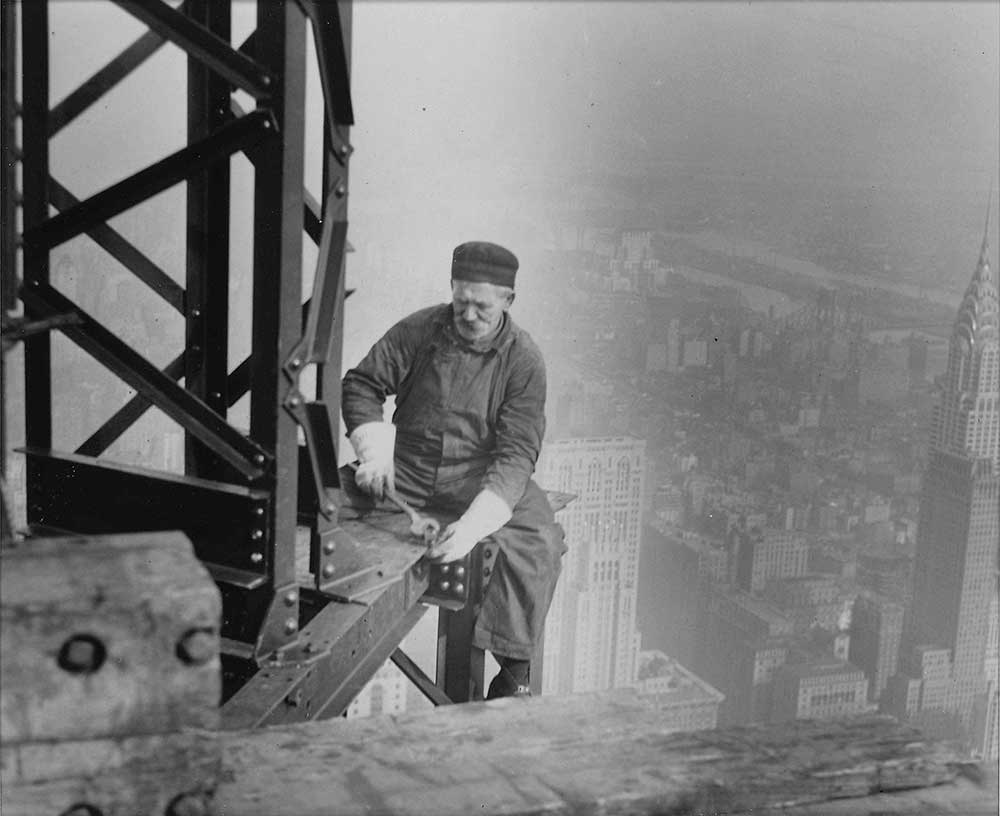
[(528, 553)]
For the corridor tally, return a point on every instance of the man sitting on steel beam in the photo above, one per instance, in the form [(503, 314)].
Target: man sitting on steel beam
[(467, 430)]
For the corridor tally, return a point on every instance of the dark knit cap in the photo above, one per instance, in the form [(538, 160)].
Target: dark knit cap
[(483, 262)]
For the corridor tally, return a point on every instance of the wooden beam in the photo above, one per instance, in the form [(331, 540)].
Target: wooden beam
[(608, 753)]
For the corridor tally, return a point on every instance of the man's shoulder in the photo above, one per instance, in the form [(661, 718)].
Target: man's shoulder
[(425, 319), (523, 344)]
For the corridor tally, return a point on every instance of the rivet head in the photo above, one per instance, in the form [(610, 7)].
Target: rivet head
[(445, 569), (291, 598), (196, 313), (331, 507), (82, 654), (258, 511), (256, 534), (259, 458), (256, 557), (340, 191), (445, 586), (328, 547), (294, 401), (296, 362), (459, 571), (197, 646), (344, 150), (328, 571), (291, 626), (188, 804), (459, 589)]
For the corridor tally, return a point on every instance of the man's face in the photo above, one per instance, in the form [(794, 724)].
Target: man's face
[(478, 308)]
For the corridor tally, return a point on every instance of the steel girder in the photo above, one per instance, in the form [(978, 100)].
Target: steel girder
[(287, 336)]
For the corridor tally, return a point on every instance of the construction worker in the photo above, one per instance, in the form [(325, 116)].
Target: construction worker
[(466, 433)]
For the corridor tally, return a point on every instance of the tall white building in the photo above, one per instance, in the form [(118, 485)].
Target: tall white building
[(591, 642)]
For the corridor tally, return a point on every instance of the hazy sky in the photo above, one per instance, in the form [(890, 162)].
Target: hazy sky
[(470, 115)]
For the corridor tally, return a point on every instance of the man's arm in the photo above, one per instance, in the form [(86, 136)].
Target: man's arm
[(520, 428), (366, 386)]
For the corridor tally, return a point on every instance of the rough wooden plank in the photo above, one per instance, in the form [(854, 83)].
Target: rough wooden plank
[(123, 776), (144, 600), (606, 753)]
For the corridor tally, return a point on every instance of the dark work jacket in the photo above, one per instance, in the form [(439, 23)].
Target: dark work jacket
[(468, 415)]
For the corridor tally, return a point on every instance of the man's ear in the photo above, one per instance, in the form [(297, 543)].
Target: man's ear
[(510, 300)]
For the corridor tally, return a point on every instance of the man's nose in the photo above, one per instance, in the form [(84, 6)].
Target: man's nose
[(469, 314)]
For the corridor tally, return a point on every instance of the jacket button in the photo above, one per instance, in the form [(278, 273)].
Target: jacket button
[(487, 553), (487, 571)]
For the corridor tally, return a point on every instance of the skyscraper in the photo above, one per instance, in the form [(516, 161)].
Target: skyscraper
[(591, 642), (957, 540)]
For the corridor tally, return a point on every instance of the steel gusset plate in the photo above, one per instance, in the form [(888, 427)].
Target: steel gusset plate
[(177, 403)]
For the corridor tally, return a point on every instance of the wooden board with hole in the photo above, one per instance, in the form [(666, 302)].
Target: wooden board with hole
[(105, 636)]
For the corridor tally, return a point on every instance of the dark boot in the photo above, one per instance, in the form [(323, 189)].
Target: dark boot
[(509, 683)]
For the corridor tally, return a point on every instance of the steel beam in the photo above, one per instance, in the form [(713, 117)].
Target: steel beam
[(188, 411), (204, 45), (416, 675), (105, 79), (9, 155), (123, 251), (156, 178), (126, 416), (35, 178), (207, 275), (95, 496), (277, 276)]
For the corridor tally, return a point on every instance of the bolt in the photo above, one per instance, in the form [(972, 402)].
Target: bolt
[(445, 568), (256, 534), (196, 349), (330, 507), (216, 395), (459, 589), (257, 557), (340, 191), (291, 598), (328, 570), (197, 646), (344, 149), (291, 626), (188, 804), (296, 362), (328, 547), (259, 458), (265, 80), (445, 585), (294, 401), (459, 571), (196, 313), (258, 511)]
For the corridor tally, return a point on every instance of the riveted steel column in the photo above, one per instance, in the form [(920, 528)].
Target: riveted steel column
[(207, 286), (336, 166), (277, 274), (35, 180)]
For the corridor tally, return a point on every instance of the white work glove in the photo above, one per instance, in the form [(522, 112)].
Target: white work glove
[(375, 444), (487, 514)]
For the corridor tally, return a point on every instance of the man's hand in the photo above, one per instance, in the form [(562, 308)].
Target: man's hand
[(487, 514), (375, 443), (454, 543)]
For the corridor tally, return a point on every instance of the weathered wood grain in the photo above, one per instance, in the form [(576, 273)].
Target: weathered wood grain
[(141, 598), (610, 753), (123, 776)]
